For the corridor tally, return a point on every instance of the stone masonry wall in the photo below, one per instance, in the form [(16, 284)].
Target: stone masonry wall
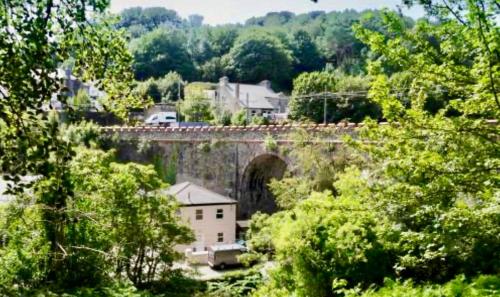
[(232, 161)]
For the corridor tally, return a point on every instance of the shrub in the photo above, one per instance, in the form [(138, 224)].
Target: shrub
[(260, 120), (239, 118), (320, 243), (485, 285), (270, 144), (235, 284)]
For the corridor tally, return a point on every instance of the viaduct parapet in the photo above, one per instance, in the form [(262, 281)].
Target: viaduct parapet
[(334, 132)]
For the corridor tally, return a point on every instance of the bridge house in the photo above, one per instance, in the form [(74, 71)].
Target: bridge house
[(257, 100), (211, 216)]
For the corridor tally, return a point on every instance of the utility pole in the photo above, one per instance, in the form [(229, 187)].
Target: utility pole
[(248, 109), (324, 107), (178, 90)]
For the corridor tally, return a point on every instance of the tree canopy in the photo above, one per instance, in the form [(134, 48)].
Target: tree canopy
[(311, 41), (257, 57), (159, 52), (423, 204)]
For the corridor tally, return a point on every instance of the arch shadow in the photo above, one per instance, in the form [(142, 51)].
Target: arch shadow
[(254, 193)]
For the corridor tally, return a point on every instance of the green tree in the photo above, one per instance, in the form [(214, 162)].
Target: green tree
[(424, 45), (481, 286), (257, 57), (345, 96), (352, 103), (222, 117), (271, 19), (303, 107), (171, 87), (149, 90), (119, 222), (149, 18), (41, 37), (215, 68), (167, 88), (131, 212), (240, 118), (196, 107), (159, 52), (435, 179), (305, 53), (319, 247), (260, 120), (81, 101), (199, 46), (222, 39), (424, 203)]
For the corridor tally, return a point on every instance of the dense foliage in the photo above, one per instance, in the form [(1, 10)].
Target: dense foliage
[(424, 205), (481, 286), (117, 220), (196, 107), (165, 89), (42, 35), (277, 47), (331, 97), (406, 208), (257, 57), (77, 218), (159, 52)]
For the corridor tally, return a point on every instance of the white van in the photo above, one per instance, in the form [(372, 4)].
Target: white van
[(224, 255), (162, 118)]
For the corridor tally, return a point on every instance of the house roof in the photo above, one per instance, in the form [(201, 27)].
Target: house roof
[(243, 223), (257, 95), (190, 194)]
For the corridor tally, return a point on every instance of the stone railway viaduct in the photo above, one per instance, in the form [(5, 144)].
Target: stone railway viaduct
[(231, 160)]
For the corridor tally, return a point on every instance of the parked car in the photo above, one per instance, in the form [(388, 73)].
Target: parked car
[(225, 255), (162, 119)]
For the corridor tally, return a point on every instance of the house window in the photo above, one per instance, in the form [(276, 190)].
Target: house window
[(220, 237), (220, 213), (199, 214)]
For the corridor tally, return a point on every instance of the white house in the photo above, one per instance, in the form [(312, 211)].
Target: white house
[(211, 216), (258, 100)]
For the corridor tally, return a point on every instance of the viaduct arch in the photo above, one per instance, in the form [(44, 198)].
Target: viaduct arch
[(254, 194)]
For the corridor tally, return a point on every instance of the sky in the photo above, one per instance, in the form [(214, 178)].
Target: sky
[(218, 12)]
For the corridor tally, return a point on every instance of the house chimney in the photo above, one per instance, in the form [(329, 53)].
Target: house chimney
[(237, 91), (265, 83), (224, 80)]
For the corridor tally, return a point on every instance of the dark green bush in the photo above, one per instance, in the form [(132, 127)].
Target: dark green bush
[(484, 285)]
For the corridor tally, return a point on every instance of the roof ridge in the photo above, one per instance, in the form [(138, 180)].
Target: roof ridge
[(182, 188), (213, 192), (189, 193)]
